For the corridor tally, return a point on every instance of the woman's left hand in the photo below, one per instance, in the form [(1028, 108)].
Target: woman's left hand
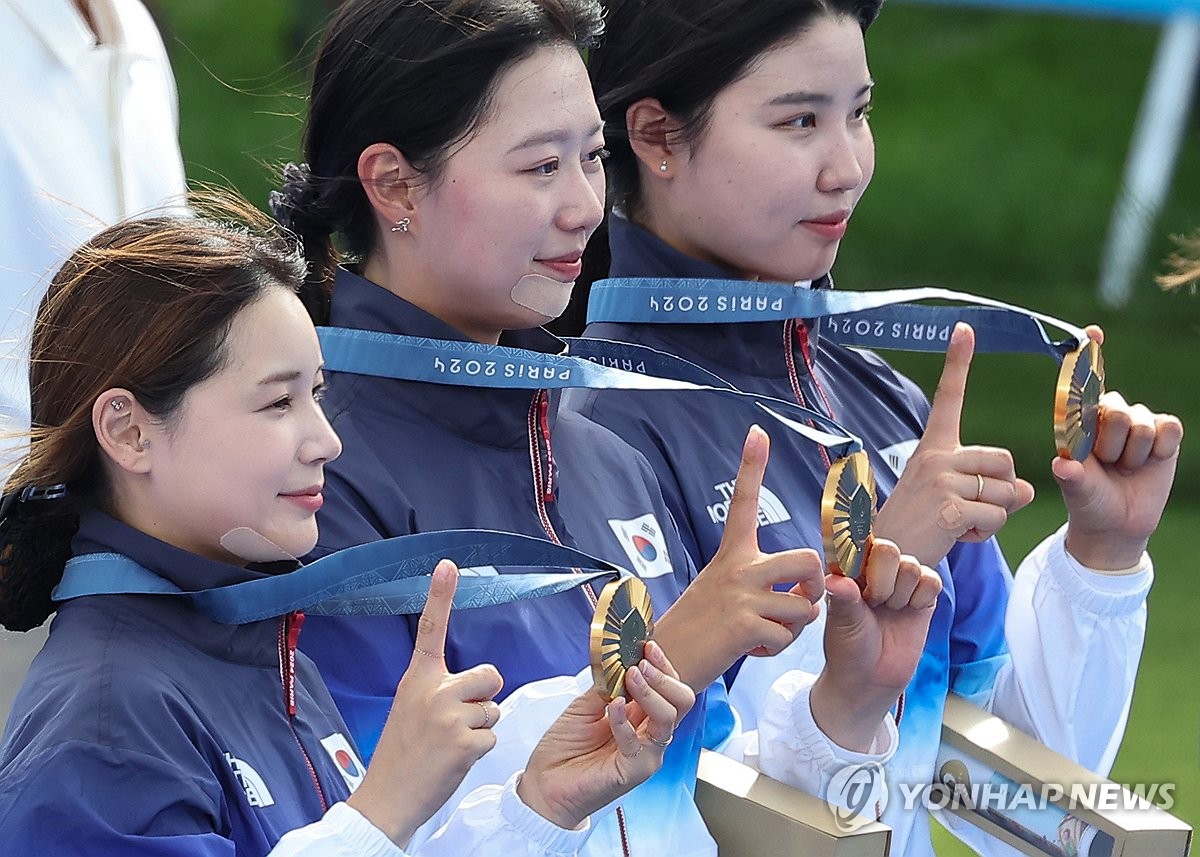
[(1115, 497), (596, 751)]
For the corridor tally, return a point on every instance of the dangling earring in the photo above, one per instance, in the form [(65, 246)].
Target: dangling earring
[(401, 225), (662, 168)]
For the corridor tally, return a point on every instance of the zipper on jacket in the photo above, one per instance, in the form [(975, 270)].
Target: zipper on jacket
[(289, 635), (796, 329), (543, 493)]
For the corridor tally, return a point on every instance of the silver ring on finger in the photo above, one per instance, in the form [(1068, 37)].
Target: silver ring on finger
[(666, 743), (979, 490), (487, 715)]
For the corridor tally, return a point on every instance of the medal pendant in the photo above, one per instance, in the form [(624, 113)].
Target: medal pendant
[(847, 513), (622, 624), (1077, 401)]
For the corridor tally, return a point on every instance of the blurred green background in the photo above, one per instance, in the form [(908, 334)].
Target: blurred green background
[(1001, 140)]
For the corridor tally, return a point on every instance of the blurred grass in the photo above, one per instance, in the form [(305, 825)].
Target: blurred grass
[(1001, 142)]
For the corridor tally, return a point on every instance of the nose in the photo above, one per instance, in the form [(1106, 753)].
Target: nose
[(582, 207), (322, 444), (843, 169)]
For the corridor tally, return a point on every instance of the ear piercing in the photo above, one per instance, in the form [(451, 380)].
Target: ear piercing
[(117, 404), (662, 168), (402, 225)]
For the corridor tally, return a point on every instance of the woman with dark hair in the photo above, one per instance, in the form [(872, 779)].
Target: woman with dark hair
[(455, 148), (175, 382), (740, 147)]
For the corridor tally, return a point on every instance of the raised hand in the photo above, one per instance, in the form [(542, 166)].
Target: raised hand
[(873, 640), (1115, 497), (439, 725), (597, 751), (950, 492), (731, 608)]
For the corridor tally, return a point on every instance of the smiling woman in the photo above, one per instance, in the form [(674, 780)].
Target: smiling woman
[(178, 437)]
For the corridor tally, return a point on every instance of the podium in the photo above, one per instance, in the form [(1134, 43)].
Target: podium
[(751, 815)]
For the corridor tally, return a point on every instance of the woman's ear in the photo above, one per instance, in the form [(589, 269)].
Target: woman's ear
[(651, 136), (390, 183), (122, 428)]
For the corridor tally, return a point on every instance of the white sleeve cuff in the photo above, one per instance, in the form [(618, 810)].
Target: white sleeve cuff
[(1100, 593), (793, 749), (540, 832), (343, 830)]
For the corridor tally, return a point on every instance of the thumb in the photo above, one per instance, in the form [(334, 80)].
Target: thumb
[(845, 604), (1071, 477)]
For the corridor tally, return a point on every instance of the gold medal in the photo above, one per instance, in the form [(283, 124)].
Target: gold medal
[(847, 512), (1077, 401), (622, 624)]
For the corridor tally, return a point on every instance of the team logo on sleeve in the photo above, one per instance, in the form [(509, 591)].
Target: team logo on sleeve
[(257, 793), (644, 544), (345, 759), (898, 454)]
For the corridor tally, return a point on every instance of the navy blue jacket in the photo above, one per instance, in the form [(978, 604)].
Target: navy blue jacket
[(420, 457), (693, 442), (145, 728)]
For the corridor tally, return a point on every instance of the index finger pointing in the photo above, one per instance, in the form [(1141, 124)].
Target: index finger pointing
[(945, 416), (741, 522), (435, 617)]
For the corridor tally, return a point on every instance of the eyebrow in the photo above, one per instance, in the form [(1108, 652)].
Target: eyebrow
[(802, 97), (556, 135)]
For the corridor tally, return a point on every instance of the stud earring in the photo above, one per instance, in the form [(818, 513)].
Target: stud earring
[(662, 168), (117, 404), (145, 444), (402, 225)]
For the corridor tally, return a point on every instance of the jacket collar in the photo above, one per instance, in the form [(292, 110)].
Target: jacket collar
[(753, 348), (494, 417), (255, 643)]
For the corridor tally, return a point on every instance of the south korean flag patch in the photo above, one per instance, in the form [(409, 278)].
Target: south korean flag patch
[(345, 759), (643, 542)]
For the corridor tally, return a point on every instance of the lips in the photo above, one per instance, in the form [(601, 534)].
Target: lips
[(567, 268), (830, 226), (310, 499)]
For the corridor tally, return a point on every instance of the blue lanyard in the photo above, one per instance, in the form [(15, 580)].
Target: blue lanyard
[(592, 364), (883, 319), (386, 577)]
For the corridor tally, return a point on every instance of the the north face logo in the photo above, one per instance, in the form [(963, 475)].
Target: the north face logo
[(770, 508), (257, 793)]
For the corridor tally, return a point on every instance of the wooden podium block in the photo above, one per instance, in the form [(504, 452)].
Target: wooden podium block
[(1092, 815), (751, 815)]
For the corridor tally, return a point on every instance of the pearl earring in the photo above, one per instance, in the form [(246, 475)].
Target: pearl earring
[(402, 225), (662, 168)]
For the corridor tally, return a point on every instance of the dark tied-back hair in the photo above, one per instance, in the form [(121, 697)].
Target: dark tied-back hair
[(146, 305), (418, 74), (683, 53)]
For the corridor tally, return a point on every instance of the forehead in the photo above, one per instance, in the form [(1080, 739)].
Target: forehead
[(828, 58), (547, 90), (273, 332)]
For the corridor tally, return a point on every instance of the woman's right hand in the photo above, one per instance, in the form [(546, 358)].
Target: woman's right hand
[(950, 492), (731, 609), (439, 725), (597, 751)]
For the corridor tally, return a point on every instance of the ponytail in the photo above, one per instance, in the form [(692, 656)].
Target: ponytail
[(299, 207)]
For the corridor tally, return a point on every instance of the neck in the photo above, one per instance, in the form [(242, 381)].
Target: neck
[(377, 270)]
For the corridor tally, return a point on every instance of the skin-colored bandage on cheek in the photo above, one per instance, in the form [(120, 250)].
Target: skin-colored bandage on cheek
[(545, 296), (252, 546)]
